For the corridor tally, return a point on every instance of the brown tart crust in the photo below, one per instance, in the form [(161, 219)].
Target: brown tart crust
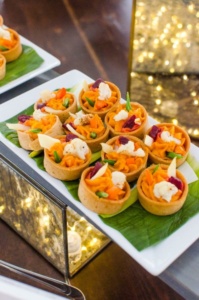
[(99, 205), (28, 143), (13, 53), (139, 132), (162, 208), (63, 115), (131, 176), (2, 66), (65, 173), (179, 161), (102, 113)]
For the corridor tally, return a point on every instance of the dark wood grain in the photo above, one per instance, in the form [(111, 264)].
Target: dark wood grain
[(93, 37)]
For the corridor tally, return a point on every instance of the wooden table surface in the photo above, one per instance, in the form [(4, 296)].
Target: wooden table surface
[(93, 37)]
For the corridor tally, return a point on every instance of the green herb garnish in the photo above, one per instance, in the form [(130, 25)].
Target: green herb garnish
[(173, 154), (3, 48), (93, 135), (66, 102), (56, 157), (110, 161), (128, 102), (36, 130), (101, 194), (90, 102), (155, 169)]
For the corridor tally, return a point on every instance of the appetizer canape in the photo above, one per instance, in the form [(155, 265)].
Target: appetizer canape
[(99, 97), (128, 118), (2, 66), (88, 127), (65, 157), (103, 191), (28, 128), (166, 141), (162, 190), (126, 154), (10, 44), (59, 102)]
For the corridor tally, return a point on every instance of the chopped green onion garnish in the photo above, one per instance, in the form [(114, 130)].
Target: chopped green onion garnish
[(34, 153), (66, 102), (90, 102), (3, 48), (155, 169), (36, 130), (110, 161), (173, 154), (93, 135), (57, 157), (128, 102), (101, 194)]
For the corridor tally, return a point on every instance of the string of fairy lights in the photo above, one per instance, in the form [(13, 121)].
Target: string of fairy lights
[(166, 46)]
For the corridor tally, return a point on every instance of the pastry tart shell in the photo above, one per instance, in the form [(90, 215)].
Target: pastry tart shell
[(63, 115), (131, 176), (162, 208), (99, 205), (102, 113), (2, 66), (64, 173), (28, 143), (13, 53), (179, 161), (139, 133)]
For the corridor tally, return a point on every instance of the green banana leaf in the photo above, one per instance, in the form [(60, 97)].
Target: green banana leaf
[(28, 61), (138, 226)]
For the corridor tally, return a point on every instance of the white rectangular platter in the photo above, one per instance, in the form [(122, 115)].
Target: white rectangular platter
[(154, 259), (50, 62)]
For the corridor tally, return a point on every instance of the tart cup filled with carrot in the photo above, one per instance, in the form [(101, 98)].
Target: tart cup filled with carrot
[(103, 191), (65, 157), (28, 128), (166, 141), (2, 66), (128, 118), (88, 127), (99, 97), (126, 154), (10, 44), (59, 102), (162, 190)]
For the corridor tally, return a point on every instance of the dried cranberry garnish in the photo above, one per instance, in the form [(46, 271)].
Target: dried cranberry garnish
[(130, 122), (95, 169), (97, 83), (154, 132), (123, 140), (40, 105), (70, 136), (23, 118), (177, 182)]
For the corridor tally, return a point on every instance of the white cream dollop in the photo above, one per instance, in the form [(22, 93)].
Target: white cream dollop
[(118, 179), (104, 91), (5, 34), (77, 147), (46, 95), (38, 114), (167, 137), (122, 115), (165, 190)]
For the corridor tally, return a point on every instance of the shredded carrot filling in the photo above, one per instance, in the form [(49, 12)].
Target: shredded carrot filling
[(105, 184), (59, 101), (68, 160), (94, 125), (119, 125), (41, 126), (98, 105), (160, 147), (150, 179), (8, 44), (125, 163)]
